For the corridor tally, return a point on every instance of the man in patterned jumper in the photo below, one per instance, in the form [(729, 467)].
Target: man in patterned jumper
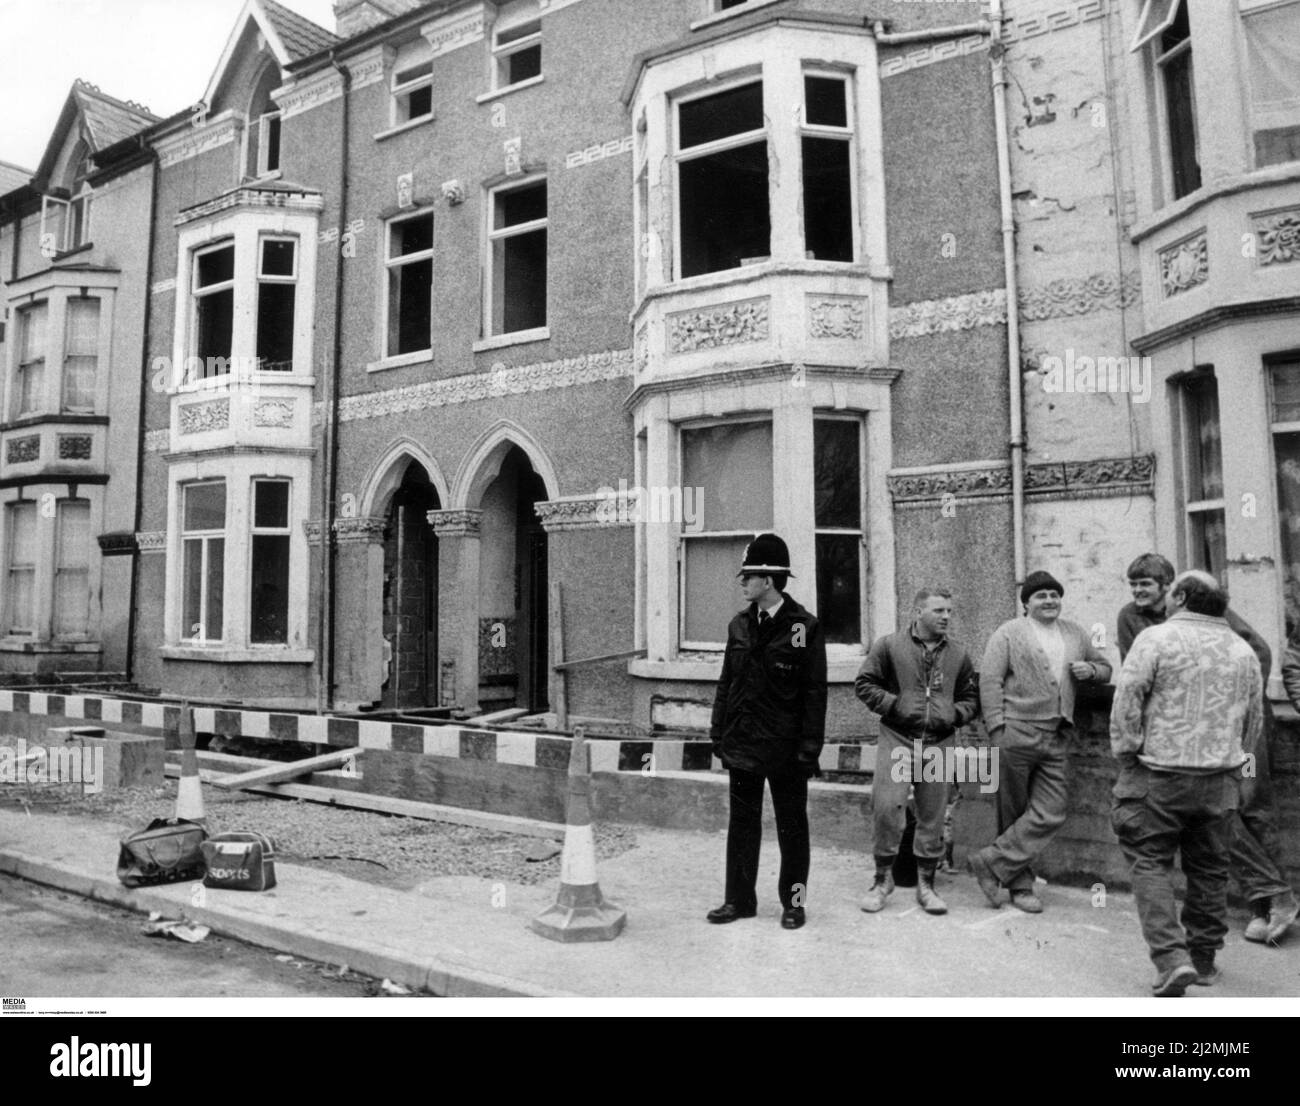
[(1190, 696)]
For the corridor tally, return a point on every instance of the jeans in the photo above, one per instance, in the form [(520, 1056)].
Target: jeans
[(894, 756), (1157, 815), (1256, 852), (745, 836), (1032, 797)]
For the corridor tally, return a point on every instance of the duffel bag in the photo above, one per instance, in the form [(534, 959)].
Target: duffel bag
[(240, 861), (165, 851)]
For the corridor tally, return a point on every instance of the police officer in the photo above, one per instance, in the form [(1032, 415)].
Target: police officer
[(769, 721)]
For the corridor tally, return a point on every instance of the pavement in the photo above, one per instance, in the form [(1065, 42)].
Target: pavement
[(466, 936)]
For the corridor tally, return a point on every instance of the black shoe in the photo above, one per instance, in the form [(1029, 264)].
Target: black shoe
[(730, 912), (792, 917)]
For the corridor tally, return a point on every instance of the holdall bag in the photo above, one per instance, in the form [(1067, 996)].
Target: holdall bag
[(166, 851), (241, 861)]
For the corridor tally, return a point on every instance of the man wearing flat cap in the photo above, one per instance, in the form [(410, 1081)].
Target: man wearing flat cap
[(1027, 686), (769, 722)]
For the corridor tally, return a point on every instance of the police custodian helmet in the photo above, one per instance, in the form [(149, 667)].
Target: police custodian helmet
[(766, 554)]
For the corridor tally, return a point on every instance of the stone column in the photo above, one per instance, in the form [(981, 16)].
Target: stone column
[(358, 609), (458, 531)]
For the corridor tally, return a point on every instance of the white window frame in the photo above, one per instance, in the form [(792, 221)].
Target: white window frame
[(197, 294), (847, 134), (859, 420), (21, 368), (1159, 61), (1189, 435), (708, 148), (399, 89), (61, 570), (765, 418), (254, 531), (503, 51), (64, 405), (400, 261), (1151, 24), (495, 235), (205, 538), (272, 278), (66, 240), (264, 167), (29, 632)]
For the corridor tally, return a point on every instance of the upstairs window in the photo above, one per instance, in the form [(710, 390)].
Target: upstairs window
[(80, 355), (65, 214), (1271, 31), (1203, 475), (20, 603), (277, 276), (1165, 30), (517, 53), (263, 139), (517, 259), (203, 551), (413, 93), (410, 286), (724, 219), (827, 148), (214, 308), (29, 386)]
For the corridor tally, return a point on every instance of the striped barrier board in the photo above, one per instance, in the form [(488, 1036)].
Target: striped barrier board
[(532, 750)]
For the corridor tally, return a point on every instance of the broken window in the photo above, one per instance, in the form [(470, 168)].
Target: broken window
[(517, 53), (410, 285), (276, 288), (413, 93), (269, 587), (837, 480), (724, 219), (517, 259), (214, 308), (80, 355), (827, 146), (203, 548), (72, 569), (724, 501)]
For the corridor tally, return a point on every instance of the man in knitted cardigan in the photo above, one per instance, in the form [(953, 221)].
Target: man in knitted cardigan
[(1027, 686)]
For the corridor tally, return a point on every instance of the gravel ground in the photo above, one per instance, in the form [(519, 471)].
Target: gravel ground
[(389, 850)]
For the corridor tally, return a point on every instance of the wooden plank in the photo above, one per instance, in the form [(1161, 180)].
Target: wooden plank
[(507, 715), (626, 655), (384, 804), (559, 677), (288, 771)]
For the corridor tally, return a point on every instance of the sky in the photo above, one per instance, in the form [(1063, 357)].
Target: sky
[(159, 53)]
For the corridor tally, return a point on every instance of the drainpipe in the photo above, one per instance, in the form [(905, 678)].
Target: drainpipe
[(145, 377), (329, 444), (1017, 440), (993, 28)]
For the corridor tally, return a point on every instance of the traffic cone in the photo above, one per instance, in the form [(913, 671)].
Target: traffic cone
[(580, 912), (189, 792)]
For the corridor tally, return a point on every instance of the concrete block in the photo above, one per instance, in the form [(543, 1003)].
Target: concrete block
[(128, 760)]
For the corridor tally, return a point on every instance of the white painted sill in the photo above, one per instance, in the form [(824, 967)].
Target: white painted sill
[(402, 128), (497, 93), (838, 670), (400, 361), (730, 13), (270, 654), (517, 338)]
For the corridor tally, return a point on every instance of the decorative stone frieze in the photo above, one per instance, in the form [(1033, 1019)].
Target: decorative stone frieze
[(273, 412), (118, 544), (1277, 236), (1070, 296), (1097, 478), (456, 522), (21, 451), (74, 447), (913, 320), (598, 511), (719, 325), (363, 528), (836, 316), (1184, 265), (199, 418), (451, 32), (151, 541)]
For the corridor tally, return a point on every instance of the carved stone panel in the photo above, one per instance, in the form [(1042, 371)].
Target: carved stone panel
[(273, 412), (74, 447), (721, 325), (1277, 236), (19, 451), (1184, 265), (197, 418), (836, 316)]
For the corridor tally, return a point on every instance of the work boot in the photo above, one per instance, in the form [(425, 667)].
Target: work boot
[(925, 892), (1282, 913), (1257, 927), (874, 900)]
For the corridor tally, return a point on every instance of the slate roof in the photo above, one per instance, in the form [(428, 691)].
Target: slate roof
[(301, 37), (12, 176), (109, 119)]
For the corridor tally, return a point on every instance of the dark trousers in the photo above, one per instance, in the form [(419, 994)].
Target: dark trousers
[(745, 835), (1157, 815), (1256, 851), (1033, 799)]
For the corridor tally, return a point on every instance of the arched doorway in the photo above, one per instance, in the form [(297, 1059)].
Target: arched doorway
[(513, 590), (410, 596)]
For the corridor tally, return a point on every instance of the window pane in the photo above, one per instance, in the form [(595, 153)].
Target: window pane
[(520, 205), (278, 257), (81, 360), (1204, 446), (215, 267), (32, 342), (735, 111), (215, 583), (20, 607), (410, 307), (415, 104), (275, 327), (522, 65), (733, 464), (271, 136), (1180, 110), (22, 531), (824, 102), (519, 279), (270, 588), (413, 73), (271, 507), (216, 320), (205, 506), (837, 473), (839, 587), (514, 34), (1210, 543), (1286, 449), (1272, 39), (192, 588), (31, 388), (827, 199), (712, 591), (72, 576), (411, 236), (724, 209), (1286, 393)]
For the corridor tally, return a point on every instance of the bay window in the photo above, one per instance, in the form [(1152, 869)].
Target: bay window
[(214, 308), (72, 569), (29, 383), (826, 145), (80, 355), (20, 601), (1203, 501), (269, 569), (837, 516), (1271, 32), (277, 273), (203, 549)]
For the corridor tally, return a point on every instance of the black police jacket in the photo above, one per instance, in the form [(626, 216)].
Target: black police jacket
[(769, 713)]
